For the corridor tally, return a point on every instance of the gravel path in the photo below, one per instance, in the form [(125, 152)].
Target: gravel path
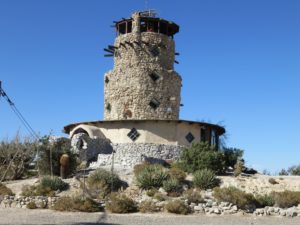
[(24, 216)]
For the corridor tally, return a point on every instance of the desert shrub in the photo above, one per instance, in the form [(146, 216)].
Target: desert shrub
[(172, 186), (50, 152), (283, 172), (265, 200), (294, 170), (77, 204), (148, 206), (238, 168), (273, 181), (16, 157), (151, 192), (177, 207), (202, 156), (151, 176), (177, 173), (103, 181), (193, 196), (120, 203), (160, 197), (232, 156), (286, 199), (235, 196), (54, 183), (205, 179), (31, 205), (5, 190), (140, 167)]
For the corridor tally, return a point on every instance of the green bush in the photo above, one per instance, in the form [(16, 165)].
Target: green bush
[(151, 176), (120, 203), (177, 207), (294, 170), (265, 200), (235, 196), (177, 173), (286, 199), (172, 186), (193, 196), (151, 192), (148, 206), (205, 179), (103, 181), (77, 204), (51, 151), (31, 205), (54, 183), (5, 190), (232, 156), (202, 156)]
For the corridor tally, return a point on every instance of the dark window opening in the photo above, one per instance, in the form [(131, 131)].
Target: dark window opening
[(106, 80), (129, 27), (108, 107), (202, 133), (213, 139), (163, 28), (154, 51), (190, 137), (154, 76), (133, 134), (122, 28), (154, 104)]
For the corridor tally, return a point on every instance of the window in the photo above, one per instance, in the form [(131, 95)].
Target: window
[(213, 140), (154, 76), (133, 134), (108, 107), (190, 137), (202, 133), (154, 103), (106, 80), (154, 51)]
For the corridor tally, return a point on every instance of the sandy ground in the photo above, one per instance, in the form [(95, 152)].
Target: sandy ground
[(26, 216)]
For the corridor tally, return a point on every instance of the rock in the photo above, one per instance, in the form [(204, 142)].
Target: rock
[(291, 213), (282, 213), (198, 208), (234, 208), (216, 211)]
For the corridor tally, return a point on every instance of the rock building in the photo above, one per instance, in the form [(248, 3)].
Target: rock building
[(141, 100)]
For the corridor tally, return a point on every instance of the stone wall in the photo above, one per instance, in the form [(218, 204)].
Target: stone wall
[(129, 87), (41, 202)]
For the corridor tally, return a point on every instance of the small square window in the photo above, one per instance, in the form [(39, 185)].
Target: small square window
[(154, 76), (154, 103), (133, 134), (154, 51), (189, 137)]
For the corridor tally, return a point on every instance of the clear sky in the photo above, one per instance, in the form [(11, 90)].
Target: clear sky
[(239, 60)]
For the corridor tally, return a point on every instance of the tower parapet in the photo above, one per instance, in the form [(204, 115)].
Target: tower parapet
[(143, 83)]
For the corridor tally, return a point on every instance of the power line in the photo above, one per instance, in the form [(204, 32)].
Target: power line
[(18, 113)]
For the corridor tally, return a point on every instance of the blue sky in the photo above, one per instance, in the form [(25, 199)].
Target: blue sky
[(239, 60)]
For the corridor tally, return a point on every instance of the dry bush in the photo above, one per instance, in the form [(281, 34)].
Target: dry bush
[(31, 205), (235, 196), (5, 190), (148, 206), (273, 181), (151, 192), (77, 204), (265, 200), (177, 173), (120, 203), (286, 199), (177, 207), (160, 197), (193, 196)]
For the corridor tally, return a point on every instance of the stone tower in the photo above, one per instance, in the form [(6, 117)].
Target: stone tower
[(143, 84)]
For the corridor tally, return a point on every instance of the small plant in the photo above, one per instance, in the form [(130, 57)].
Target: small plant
[(31, 205), (177, 207), (177, 173), (172, 186), (103, 180), (286, 199), (273, 181), (160, 197), (148, 206), (76, 204), (235, 196), (265, 200), (151, 192), (120, 203), (140, 167), (54, 183), (238, 168), (193, 196), (205, 179), (151, 176), (5, 190)]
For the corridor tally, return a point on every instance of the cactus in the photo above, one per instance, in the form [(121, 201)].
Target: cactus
[(64, 165)]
